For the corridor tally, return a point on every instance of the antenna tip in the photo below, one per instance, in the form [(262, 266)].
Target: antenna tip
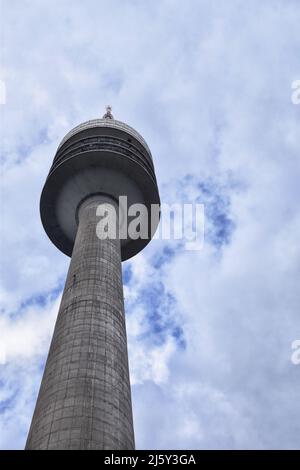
[(108, 114)]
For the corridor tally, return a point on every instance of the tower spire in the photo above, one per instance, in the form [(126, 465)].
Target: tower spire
[(108, 114)]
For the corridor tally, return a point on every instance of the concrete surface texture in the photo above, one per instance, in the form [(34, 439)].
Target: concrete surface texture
[(84, 400)]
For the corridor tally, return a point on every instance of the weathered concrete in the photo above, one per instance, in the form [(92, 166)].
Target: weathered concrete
[(85, 400)]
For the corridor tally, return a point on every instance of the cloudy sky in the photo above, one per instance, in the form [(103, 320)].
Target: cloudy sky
[(208, 84)]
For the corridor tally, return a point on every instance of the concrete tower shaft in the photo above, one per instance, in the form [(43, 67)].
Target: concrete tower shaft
[(84, 400)]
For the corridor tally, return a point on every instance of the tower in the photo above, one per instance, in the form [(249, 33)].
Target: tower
[(84, 401)]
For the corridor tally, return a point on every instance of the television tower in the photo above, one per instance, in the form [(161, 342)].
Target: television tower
[(84, 401)]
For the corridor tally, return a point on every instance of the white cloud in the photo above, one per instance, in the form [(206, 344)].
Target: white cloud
[(27, 335), (25, 341)]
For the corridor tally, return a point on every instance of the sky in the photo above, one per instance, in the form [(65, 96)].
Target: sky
[(208, 84)]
